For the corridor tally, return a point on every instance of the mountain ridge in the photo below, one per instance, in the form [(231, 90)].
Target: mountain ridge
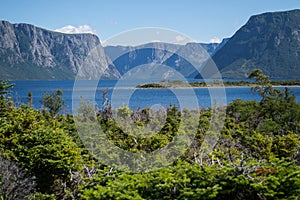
[(30, 52), (183, 58), (268, 41)]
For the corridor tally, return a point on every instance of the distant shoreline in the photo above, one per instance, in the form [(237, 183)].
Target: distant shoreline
[(214, 84), (205, 87)]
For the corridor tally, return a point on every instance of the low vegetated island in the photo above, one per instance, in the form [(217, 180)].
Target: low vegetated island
[(214, 83)]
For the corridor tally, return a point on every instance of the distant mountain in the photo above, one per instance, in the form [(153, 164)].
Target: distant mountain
[(220, 46), (269, 41), (126, 58), (29, 52), (182, 58)]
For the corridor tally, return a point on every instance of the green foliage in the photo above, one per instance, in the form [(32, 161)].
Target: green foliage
[(128, 140), (40, 196), (4, 87), (29, 99), (256, 156), (53, 102), (40, 145), (264, 87), (4, 90), (86, 111), (265, 180)]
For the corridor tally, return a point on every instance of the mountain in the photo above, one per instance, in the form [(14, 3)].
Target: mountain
[(126, 58), (182, 58), (29, 52), (269, 41)]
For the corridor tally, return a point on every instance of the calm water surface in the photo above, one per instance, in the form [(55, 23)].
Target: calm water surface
[(139, 98)]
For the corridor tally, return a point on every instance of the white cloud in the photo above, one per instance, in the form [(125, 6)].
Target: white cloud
[(215, 40), (180, 38), (73, 29)]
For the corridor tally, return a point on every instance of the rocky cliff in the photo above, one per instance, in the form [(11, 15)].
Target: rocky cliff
[(269, 41), (29, 52)]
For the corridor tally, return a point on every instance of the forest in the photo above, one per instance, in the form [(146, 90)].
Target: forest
[(256, 156)]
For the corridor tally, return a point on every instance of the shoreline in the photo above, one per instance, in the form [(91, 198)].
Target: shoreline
[(205, 87), (216, 84)]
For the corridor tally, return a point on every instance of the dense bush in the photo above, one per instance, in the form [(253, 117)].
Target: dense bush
[(256, 157)]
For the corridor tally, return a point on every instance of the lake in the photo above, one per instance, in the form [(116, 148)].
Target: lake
[(126, 94)]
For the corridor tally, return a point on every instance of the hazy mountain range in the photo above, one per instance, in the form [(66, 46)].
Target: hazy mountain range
[(269, 41), (182, 58)]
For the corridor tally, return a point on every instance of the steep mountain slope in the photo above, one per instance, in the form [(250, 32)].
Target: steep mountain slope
[(29, 52), (269, 41), (179, 57)]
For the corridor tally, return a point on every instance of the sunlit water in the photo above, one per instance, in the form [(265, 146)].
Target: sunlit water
[(140, 98)]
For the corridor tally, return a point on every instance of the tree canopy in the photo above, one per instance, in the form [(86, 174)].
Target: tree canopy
[(257, 155)]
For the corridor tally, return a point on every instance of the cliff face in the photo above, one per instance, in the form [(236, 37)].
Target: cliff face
[(29, 52), (269, 41)]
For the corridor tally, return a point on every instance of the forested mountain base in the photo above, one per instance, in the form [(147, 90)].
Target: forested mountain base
[(257, 155)]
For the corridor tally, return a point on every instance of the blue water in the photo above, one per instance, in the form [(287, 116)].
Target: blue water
[(139, 98)]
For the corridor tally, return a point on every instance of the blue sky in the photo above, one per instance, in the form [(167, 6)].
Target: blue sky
[(201, 20)]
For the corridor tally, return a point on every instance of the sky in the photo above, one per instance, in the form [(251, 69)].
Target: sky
[(201, 20)]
